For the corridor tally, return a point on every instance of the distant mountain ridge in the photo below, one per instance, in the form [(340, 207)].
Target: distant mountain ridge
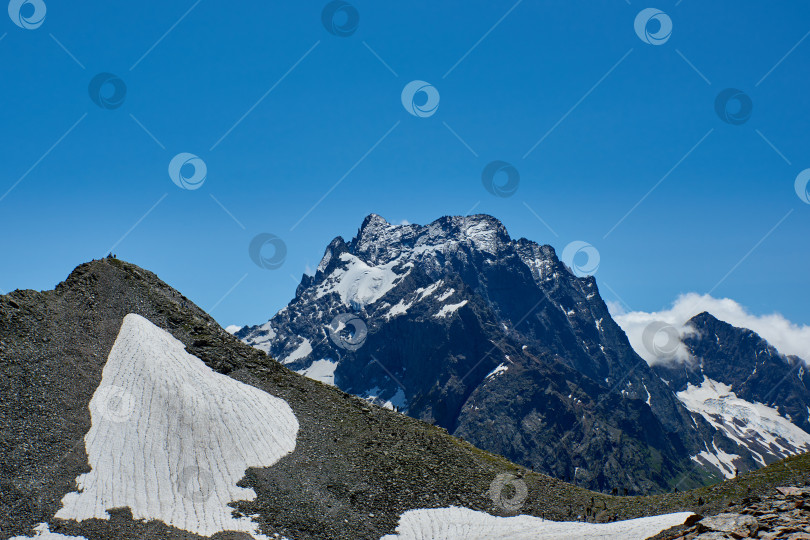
[(741, 384)]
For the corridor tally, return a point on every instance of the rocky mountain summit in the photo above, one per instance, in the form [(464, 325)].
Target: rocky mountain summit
[(499, 342)]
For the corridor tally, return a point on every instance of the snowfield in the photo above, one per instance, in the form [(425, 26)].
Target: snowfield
[(321, 370), (302, 351), (449, 309), (360, 284), (456, 523), (756, 426), (170, 438)]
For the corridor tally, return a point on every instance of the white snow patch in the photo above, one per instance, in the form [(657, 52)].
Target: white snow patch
[(303, 350), (268, 329), (427, 291), (456, 523), (449, 308), (720, 459), (170, 437), (321, 370), (483, 236), (649, 396), (445, 295), (360, 284), (43, 532), (372, 394), (500, 369), (261, 338), (400, 308), (756, 426), (233, 328), (397, 400)]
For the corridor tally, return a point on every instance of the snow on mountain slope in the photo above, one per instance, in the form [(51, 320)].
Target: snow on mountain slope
[(303, 350), (262, 337), (758, 427), (170, 438), (321, 370), (360, 284), (43, 532), (401, 307), (462, 523), (450, 309)]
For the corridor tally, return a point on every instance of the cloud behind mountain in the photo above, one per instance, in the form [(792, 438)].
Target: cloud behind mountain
[(788, 337)]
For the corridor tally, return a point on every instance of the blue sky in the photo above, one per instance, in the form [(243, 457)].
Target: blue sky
[(299, 108)]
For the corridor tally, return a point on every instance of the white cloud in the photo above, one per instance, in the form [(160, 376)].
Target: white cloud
[(789, 338)]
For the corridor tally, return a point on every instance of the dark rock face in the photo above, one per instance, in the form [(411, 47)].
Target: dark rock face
[(495, 340)]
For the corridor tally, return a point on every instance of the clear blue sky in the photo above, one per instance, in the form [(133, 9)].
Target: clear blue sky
[(644, 108)]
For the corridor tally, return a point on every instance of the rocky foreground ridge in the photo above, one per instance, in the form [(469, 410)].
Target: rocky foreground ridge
[(783, 514)]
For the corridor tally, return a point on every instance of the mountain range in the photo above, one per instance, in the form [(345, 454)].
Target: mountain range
[(499, 342), (426, 382)]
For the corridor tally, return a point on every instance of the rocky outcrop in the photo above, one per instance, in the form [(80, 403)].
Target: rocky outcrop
[(783, 514)]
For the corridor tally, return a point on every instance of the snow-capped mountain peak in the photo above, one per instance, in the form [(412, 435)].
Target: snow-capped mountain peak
[(441, 306)]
